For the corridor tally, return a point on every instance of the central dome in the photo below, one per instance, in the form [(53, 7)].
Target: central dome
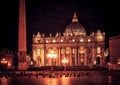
[(74, 28)]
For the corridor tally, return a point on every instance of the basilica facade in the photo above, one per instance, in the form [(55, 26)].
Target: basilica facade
[(73, 47)]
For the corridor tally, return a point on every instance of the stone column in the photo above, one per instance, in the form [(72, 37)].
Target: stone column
[(85, 57), (70, 57), (93, 56), (76, 55), (57, 59), (102, 57), (59, 56), (42, 56)]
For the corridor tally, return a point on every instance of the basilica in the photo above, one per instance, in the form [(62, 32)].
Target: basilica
[(73, 47)]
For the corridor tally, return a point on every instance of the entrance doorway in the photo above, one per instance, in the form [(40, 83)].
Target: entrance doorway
[(98, 61)]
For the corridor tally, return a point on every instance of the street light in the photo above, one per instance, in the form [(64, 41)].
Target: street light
[(4, 63), (52, 56), (65, 61), (109, 66)]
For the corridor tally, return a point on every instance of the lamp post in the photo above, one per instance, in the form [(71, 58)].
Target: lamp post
[(52, 56), (109, 66), (65, 61)]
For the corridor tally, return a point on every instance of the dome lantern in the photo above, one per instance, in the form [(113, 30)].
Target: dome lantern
[(75, 19)]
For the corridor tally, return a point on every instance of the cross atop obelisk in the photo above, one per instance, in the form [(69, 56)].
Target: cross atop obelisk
[(22, 65)]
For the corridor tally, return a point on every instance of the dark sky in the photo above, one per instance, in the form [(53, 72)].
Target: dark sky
[(52, 16)]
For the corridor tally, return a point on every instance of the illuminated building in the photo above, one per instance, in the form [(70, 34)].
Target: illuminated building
[(114, 49), (73, 44), (7, 59)]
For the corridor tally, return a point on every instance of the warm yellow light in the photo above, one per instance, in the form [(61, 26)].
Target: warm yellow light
[(52, 54), (81, 40), (49, 55), (31, 63), (81, 51), (98, 50), (89, 40), (67, 50), (61, 40), (73, 40), (46, 41), (9, 64), (95, 62), (118, 62), (55, 55), (73, 51), (100, 38), (52, 51), (109, 64), (38, 51), (3, 59), (65, 60), (54, 41), (81, 60)]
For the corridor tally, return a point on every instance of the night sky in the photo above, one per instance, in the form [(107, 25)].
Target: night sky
[(52, 16)]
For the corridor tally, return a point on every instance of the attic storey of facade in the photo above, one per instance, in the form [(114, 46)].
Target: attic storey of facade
[(73, 44)]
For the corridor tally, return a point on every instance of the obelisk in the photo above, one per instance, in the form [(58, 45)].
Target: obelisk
[(22, 65)]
